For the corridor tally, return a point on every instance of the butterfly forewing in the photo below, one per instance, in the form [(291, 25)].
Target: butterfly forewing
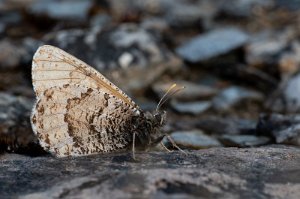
[(54, 67)]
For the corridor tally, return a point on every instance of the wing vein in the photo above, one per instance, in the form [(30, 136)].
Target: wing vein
[(96, 79)]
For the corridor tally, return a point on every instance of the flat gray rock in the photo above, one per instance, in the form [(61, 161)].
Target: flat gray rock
[(285, 129), (61, 9), (194, 139), (233, 95), (212, 44), (267, 172), (285, 98), (244, 140), (193, 108)]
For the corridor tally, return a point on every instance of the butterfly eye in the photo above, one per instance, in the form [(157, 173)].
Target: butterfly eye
[(157, 117)]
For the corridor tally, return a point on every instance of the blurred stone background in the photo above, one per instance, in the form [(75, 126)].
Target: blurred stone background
[(239, 61)]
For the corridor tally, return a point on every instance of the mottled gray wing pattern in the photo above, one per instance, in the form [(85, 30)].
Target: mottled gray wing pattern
[(76, 120)]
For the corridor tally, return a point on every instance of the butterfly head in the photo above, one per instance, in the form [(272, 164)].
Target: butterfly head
[(149, 125), (159, 118), (155, 121)]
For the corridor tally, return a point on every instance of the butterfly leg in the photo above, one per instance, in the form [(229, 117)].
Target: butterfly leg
[(175, 145), (160, 140), (162, 144), (133, 146)]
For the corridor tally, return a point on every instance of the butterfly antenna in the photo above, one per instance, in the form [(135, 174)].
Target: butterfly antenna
[(170, 92), (164, 96)]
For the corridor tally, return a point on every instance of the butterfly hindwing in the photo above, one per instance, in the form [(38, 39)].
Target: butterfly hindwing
[(77, 120)]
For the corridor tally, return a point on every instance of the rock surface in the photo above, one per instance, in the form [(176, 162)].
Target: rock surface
[(268, 172), (15, 128)]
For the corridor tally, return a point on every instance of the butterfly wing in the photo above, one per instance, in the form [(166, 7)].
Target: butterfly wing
[(78, 111), (76, 120), (52, 66)]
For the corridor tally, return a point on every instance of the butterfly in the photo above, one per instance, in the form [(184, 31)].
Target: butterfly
[(80, 112)]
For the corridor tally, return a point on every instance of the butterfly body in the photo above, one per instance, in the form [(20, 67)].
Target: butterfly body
[(79, 112)]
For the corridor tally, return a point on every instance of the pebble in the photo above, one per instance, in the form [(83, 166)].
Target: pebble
[(143, 43), (184, 15), (125, 60), (194, 139), (227, 125), (61, 10), (193, 108), (291, 95), (244, 140), (264, 47), (212, 44), (233, 95), (285, 98), (283, 128)]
